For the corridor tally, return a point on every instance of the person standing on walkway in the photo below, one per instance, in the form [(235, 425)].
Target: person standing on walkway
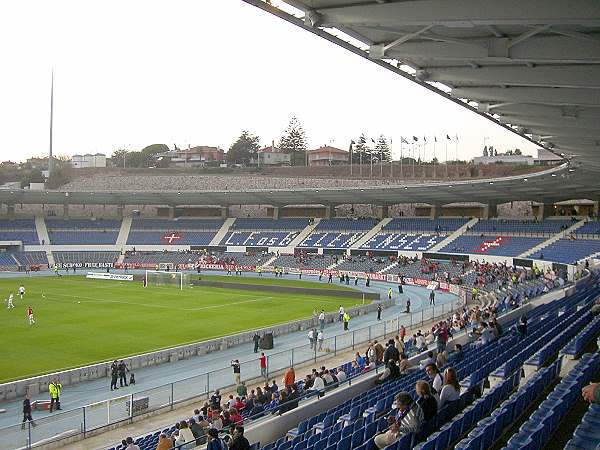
[(389, 293), (379, 309), (289, 378), (263, 365), (122, 373), (312, 335), (54, 389), (330, 278), (27, 412), (368, 281), (320, 338), (236, 371), (407, 305), (346, 321), (432, 298), (322, 320), (114, 375), (340, 313), (256, 340)]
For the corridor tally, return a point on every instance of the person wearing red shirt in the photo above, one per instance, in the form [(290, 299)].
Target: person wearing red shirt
[(263, 365), (30, 315)]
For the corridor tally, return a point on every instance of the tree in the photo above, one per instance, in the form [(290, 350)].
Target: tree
[(495, 152), (118, 157), (294, 141), (361, 152), (517, 151), (61, 175), (485, 151), (382, 150), (149, 153), (243, 149)]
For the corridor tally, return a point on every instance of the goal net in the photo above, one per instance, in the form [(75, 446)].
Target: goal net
[(164, 278)]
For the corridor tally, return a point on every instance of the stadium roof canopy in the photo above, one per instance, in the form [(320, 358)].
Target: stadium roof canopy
[(532, 66), (549, 186)]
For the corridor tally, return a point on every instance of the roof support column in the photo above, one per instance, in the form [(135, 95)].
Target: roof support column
[(66, 210), (383, 212), (490, 211), (224, 212), (434, 212), (328, 210), (10, 210), (171, 212), (120, 211), (595, 208), (276, 212)]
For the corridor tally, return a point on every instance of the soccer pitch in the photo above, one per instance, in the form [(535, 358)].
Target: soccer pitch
[(79, 321)]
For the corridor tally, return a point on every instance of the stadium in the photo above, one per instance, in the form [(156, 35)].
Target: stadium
[(329, 305)]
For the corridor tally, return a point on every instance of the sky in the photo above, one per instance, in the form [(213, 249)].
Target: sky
[(195, 72)]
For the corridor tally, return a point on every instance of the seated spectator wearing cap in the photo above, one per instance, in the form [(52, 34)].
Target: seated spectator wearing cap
[(408, 419)]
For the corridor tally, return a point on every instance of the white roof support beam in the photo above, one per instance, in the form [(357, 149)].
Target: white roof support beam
[(380, 50), (562, 131), (537, 49), (561, 122), (523, 37), (585, 76), (540, 111), (464, 13), (558, 96)]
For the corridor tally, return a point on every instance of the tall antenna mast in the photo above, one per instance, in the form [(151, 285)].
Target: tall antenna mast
[(50, 159)]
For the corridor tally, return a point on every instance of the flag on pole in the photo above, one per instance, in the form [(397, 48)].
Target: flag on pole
[(434, 139), (457, 137), (403, 141), (448, 137), (416, 139), (373, 141), (424, 138)]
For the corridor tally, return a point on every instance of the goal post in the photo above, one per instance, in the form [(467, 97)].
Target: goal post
[(164, 278)]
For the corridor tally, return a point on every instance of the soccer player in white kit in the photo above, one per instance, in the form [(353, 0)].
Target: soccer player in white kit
[(10, 302), (21, 291)]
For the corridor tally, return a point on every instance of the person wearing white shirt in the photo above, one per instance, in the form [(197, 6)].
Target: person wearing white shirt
[(341, 375), (451, 388), (320, 339), (318, 384), (435, 379), (420, 341), (322, 320), (340, 313), (327, 378), (311, 338)]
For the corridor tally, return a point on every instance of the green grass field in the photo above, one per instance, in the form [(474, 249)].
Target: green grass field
[(82, 321)]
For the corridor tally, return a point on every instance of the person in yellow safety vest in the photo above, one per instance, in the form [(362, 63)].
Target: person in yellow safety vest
[(346, 319), (54, 388), (390, 293), (474, 293), (259, 271)]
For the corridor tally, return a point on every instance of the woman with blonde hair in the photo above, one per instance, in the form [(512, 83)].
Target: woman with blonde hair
[(426, 400), (451, 388)]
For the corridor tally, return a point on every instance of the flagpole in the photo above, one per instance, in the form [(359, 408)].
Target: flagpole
[(391, 158), (446, 156), (351, 159), (433, 160), (360, 162), (50, 159), (413, 158), (401, 158), (381, 162), (456, 155)]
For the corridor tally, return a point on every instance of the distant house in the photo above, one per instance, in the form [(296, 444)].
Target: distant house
[(88, 160), (328, 156), (544, 157), (271, 156), (199, 156)]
